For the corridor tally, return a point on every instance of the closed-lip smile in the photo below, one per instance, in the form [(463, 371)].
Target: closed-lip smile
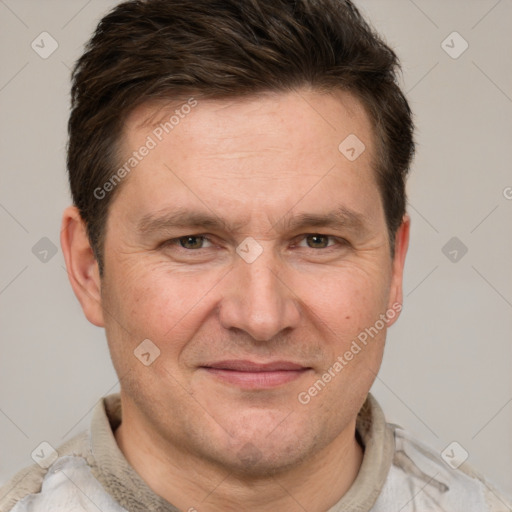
[(253, 375)]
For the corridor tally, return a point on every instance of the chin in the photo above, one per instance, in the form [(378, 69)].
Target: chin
[(257, 461), (269, 450)]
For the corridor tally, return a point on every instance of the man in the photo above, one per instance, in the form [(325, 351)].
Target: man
[(274, 135)]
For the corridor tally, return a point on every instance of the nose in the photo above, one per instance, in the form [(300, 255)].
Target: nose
[(258, 300)]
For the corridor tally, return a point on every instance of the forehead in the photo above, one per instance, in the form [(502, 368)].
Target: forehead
[(275, 149), (298, 114)]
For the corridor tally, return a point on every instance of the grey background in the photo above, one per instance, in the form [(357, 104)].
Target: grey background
[(446, 374)]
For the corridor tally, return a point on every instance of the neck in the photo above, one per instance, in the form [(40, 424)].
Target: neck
[(192, 484)]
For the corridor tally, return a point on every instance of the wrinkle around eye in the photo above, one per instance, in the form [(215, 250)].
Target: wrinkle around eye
[(338, 242)]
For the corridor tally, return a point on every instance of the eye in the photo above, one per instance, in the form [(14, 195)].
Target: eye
[(193, 243), (189, 242), (319, 241)]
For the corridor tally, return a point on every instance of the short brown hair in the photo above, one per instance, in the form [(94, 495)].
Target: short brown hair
[(158, 49)]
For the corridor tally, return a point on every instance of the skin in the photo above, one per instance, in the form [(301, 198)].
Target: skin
[(197, 440)]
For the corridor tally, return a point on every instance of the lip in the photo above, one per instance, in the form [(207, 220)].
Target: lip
[(251, 375)]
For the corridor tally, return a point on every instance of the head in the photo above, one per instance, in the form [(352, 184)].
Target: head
[(206, 139)]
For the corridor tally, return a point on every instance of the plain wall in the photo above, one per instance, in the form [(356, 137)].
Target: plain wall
[(446, 374)]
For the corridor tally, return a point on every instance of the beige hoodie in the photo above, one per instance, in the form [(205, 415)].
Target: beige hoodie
[(90, 473)]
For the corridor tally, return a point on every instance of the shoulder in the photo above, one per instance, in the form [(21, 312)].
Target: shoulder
[(420, 478), (31, 481), (70, 477)]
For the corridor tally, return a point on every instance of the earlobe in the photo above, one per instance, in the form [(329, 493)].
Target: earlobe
[(81, 265), (401, 246)]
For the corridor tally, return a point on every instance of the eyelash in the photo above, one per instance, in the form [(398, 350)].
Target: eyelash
[(175, 242)]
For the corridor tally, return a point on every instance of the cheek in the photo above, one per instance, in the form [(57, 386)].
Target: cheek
[(350, 299), (347, 310), (154, 303)]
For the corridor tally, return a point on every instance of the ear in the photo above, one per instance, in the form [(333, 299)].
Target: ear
[(82, 267), (401, 246)]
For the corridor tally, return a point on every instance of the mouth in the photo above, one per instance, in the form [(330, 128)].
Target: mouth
[(252, 375)]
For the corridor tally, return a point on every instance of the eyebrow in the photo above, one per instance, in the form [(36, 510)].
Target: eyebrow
[(181, 217)]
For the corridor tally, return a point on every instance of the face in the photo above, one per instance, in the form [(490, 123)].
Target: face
[(252, 253)]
